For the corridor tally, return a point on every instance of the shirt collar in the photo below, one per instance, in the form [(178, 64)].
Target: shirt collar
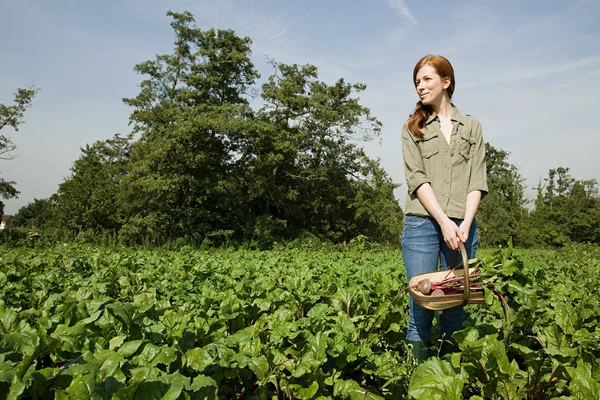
[(456, 116)]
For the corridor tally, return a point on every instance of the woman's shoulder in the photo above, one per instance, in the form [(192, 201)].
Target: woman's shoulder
[(471, 119), (405, 130), (468, 120)]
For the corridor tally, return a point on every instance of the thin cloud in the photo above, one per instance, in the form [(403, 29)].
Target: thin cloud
[(268, 28), (537, 72), (593, 75), (402, 10)]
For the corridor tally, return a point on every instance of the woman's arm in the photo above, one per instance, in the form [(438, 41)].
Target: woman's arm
[(478, 184), (473, 199)]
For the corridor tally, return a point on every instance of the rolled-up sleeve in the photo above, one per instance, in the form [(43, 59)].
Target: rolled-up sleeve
[(413, 162), (478, 179)]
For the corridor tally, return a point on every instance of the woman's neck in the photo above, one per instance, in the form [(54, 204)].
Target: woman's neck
[(444, 109)]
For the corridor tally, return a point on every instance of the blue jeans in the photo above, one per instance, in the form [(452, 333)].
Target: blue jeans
[(423, 247)]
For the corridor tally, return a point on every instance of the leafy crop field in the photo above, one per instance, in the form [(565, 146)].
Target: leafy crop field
[(87, 323)]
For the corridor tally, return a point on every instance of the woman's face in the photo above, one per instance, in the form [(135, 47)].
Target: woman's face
[(430, 86)]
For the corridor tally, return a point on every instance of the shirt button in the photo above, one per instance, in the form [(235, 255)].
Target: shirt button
[(452, 154), (446, 195), (447, 165), (447, 180)]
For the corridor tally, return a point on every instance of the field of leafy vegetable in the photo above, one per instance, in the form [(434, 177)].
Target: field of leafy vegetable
[(85, 323)]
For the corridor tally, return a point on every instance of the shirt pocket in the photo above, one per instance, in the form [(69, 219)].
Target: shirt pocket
[(429, 144), (466, 145)]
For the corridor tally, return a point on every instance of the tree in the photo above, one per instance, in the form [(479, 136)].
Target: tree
[(191, 112), (12, 116), (305, 172), (87, 200), (503, 209), (378, 213), (584, 205), (566, 209), (210, 67), (36, 214)]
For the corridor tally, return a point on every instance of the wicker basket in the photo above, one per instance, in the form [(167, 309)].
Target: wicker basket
[(438, 303)]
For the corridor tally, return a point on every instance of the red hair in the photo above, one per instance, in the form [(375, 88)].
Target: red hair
[(442, 66)]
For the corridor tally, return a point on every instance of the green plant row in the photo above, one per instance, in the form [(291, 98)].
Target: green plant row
[(79, 322)]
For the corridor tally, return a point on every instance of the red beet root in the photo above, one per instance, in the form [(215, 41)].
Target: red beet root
[(424, 286)]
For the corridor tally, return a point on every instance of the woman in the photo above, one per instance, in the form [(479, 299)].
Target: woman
[(444, 160)]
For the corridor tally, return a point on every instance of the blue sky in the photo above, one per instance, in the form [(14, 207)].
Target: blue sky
[(529, 70)]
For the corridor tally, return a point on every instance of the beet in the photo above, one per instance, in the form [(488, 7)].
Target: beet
[(424, 286), (438, 292)]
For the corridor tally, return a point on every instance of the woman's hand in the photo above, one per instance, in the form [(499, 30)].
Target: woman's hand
[(452, 233), (464, 228)]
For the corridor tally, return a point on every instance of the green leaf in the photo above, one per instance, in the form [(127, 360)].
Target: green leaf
[(202, 381), (522, 350), (116, 342), (510, 266), (318, 311), (123, 311), (92, 318), (240, 336), (109, 362), (145, 373), (93, 305), (144, 301), (345, 326), (154, 355), (7, 372), (351, 389), (307, 393), (582, 383), (557, 342), (204, 387), (90, 386), (260, 366), (585, 388), (20, 337), (241, 359), (16, 389), (494, 353), (318, 347), (177, 383), (46, 380), (147, 390), (436, 379), (199, 358), (71, 337), (130, 348)]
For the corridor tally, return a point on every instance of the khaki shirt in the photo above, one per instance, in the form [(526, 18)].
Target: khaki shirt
[(453, 170)]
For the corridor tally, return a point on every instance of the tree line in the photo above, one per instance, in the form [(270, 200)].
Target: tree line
[(565, 209), (203, 167)]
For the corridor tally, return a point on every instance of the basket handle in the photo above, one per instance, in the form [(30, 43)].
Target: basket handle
[(467, 287)]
